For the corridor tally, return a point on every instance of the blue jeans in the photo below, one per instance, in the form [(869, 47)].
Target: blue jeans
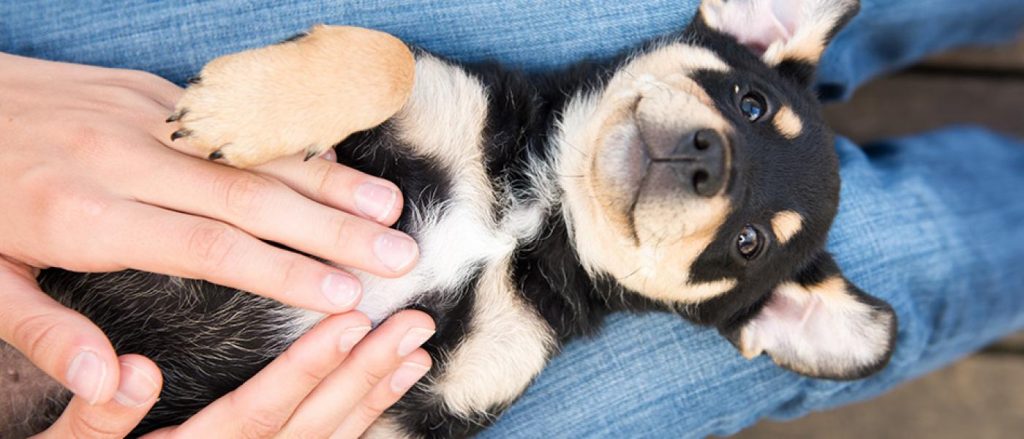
[(934, 224)]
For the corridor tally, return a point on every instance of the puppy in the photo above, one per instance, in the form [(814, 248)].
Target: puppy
[(693, 175)]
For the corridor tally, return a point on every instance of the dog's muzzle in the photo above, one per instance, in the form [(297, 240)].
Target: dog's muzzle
[(694, 162)]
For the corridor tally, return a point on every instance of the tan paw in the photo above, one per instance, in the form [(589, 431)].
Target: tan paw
[(300, 96)]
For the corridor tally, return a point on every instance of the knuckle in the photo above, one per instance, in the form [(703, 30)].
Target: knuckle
[(245, 194), (83, 207), (371, 377), (136, 79), (293, 268), (371, 409), (257, 422), (259, 426), (305, 376), (143, 78), (306, 432), (83, 216), (51, 205), (210, 244), (342, 227), (37, 335), (94, 427), (325, 178), (90, 141)]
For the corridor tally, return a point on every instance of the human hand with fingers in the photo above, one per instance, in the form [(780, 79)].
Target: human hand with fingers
[(91, 182), (332, 382)]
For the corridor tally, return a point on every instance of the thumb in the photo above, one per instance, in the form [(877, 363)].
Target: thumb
[(137, 392), (61, 342)]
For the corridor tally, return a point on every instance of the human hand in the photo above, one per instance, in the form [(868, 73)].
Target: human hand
[(321, 386), (90, 183)]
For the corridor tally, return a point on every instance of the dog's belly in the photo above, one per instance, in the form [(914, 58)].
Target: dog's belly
[(455, 242), (464, 249)]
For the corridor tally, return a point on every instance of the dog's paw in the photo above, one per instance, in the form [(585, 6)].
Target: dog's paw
[(303, 95)]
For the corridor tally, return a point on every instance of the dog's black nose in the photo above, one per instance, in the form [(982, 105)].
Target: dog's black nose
[(698, 159)]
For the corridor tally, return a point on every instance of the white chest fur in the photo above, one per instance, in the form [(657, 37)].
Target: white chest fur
[(507, 342)]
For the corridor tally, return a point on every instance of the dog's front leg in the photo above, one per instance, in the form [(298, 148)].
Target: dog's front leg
[(303, 95)]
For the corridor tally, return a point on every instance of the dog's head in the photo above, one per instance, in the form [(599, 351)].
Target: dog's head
[(703, 177)]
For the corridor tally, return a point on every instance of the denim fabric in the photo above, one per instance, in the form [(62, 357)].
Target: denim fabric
[(932, 223), (920, 225)]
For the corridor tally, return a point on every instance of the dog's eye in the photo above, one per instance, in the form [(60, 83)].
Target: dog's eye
[(752, 106), (749, 242)]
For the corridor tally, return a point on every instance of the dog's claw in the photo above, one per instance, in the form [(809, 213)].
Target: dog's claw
[(310, 153), (216, 155), (179, 134), (176, 116), (194, 80), (295, 37)]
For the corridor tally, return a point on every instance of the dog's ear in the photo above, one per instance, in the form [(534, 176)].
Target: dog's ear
[(787, 34), (819, 324)]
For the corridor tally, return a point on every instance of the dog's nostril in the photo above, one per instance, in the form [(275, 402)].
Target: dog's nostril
[(701, 142), (699, 179), (704, 139)]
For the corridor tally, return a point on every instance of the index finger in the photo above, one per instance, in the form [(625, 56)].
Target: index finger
[(260, 406), (163, 241)]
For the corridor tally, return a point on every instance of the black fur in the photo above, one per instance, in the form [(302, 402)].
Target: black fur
[(193, 331)]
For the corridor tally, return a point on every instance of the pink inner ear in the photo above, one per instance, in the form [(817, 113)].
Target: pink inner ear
[(819, 330), (758, 24)]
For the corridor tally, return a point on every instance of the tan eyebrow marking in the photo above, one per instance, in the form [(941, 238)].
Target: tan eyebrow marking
[(832, 287), (787, 122), (785, 224)]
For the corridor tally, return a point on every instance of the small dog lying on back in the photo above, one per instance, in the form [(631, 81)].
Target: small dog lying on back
[(693, 175)]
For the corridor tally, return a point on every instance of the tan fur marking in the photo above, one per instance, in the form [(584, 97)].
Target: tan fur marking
[(306, 95), (785, 224), (833, 286), (671, 230), (807, 49), (506, 346), (788, 123), (444, 118)]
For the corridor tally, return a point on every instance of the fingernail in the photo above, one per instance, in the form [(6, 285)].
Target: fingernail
[(330, 155), (406, 375), (136, 388), (86, 376), (341, 290), (351, 336), (413, 339), (376, 200), (395, 251)]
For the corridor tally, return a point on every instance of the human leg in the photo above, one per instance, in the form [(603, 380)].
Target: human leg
[(175, 39), (927, 223), (935, 236)]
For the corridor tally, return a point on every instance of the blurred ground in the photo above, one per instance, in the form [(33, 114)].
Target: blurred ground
[(981, 396), (959, 87)]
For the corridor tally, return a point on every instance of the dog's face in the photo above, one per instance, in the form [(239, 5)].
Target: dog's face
[(707, 180)]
